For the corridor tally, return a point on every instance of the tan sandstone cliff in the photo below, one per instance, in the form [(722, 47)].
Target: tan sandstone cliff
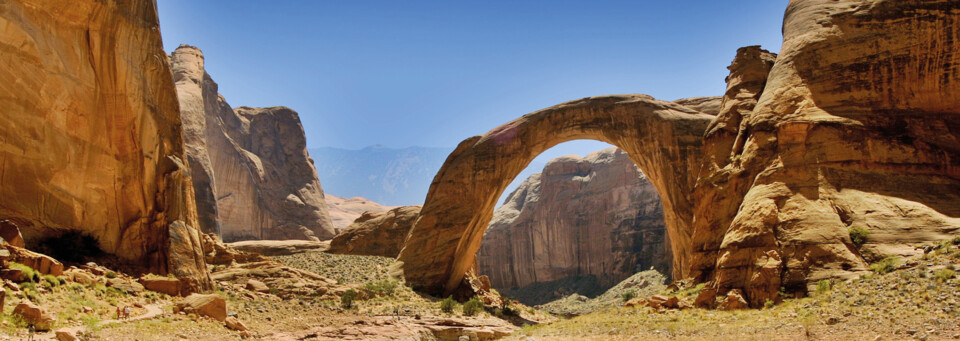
[(582, 216), (253, 175), (857, 125), (90, 137), (376, 233), (853, 125)]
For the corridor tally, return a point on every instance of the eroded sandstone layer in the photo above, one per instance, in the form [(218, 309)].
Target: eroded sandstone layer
[(662, 138), (582, 216), (856, 126), (253, 175), (344, 211), (90, 135), (377, 233)]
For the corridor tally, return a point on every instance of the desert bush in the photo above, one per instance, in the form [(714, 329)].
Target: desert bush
[(629, 295), (884, 266), (859, 235), (386, 288), (447, 304), (29, 273), (346, 301), (51, 281), (824, 286), (111, 274), (943, 275), (473, 306)]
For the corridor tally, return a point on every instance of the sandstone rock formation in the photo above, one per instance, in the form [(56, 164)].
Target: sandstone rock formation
[(344, 211), (706, 105), (662, 138), (856, 127), (253, 175), (853, 125), (377, 233), (90, 136), (583, 216)]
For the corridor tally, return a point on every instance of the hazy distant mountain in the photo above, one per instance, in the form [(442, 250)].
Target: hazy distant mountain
[(389, 176)]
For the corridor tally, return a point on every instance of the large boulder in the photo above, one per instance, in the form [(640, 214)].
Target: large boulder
[(205, 305), (34, 315), (252, 174), (10, 233), (91, 125), (42, 263), (376, 233)]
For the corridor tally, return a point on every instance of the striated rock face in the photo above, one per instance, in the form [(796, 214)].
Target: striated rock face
[(90, 135), (377, 233), (597, 215), (856, 126), (254, 178), (662, 138), (344, 211), (706, 105)]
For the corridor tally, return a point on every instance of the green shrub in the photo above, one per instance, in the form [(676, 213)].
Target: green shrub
[(884, 266), (629, 295), (473, 306), (346, 301), (111, 274), (859, 235), (51, 281), (768, 304), (943, 275), (447, 304), (386, 288), (29, 273), (824, 286)]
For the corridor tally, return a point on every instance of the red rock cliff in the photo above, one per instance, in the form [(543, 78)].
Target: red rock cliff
[(90, 135), (597, 215)]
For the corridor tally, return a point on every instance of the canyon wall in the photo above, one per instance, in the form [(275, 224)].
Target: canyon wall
[(856, 125), (582, 216), (90, 137), (253, 174)]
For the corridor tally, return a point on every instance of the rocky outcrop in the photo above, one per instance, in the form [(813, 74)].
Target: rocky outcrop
[(662, 138), (90, 136), (344, 211), (855, 126), (253, 175), (377, 233), (706, 105), (583, 216)]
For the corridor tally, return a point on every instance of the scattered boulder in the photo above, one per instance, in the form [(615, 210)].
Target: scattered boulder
[(10, 233), (655, 302), (33, 314), (235, 324), (125, 285), (258, 286), (42, 263), (79, 276), (66, 335), (166, 285), (205, 305), (706, 299), (14, 275), (734, 300)]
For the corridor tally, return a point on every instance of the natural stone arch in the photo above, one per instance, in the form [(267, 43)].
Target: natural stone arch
[(662, 138)]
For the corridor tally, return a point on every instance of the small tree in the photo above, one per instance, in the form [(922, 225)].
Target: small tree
[(629, 295), (858, 236), (473, 306), (447, 304), (346, 301)]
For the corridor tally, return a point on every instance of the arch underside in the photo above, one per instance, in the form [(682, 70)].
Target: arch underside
[(663, 138)]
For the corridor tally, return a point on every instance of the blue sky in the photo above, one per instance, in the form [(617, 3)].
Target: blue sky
[(432, 73)]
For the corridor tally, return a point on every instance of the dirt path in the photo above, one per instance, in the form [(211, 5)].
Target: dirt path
[(153, 310)]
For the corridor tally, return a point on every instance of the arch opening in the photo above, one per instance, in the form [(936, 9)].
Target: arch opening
[(580, 219), (662, 138)]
